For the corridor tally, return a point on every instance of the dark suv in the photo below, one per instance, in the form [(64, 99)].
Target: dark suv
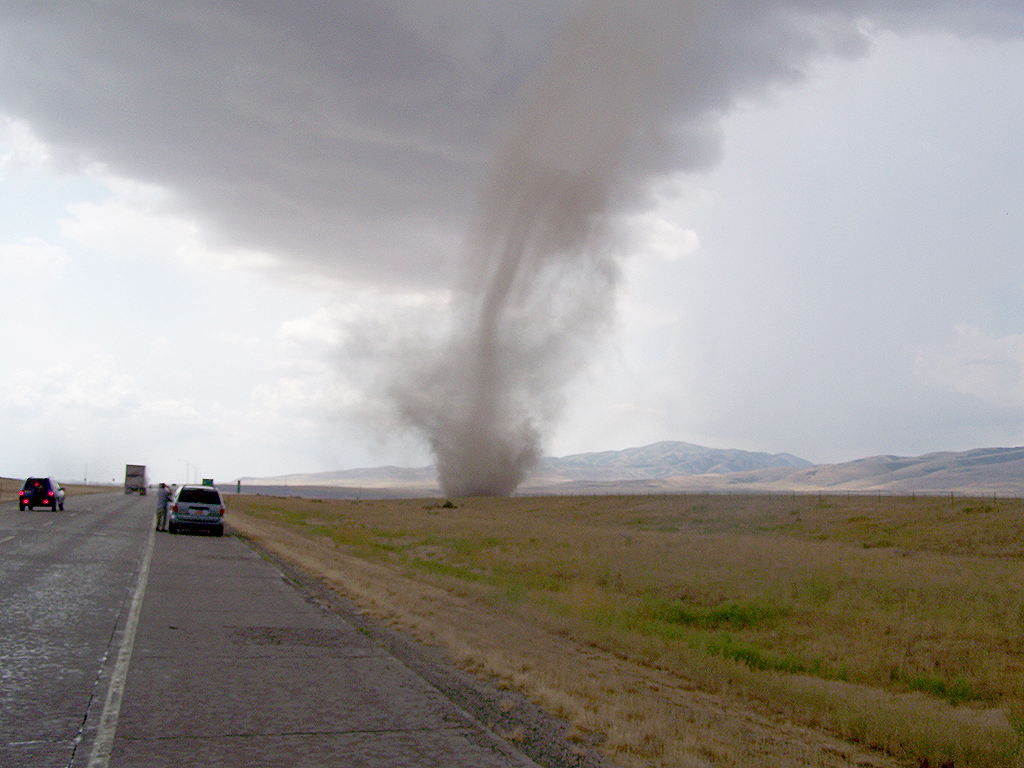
[(41, 492)]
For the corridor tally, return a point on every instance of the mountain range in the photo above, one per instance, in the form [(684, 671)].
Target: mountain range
[(678, 467)]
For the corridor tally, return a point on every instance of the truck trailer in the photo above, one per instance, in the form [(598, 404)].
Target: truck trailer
[(135, 479)]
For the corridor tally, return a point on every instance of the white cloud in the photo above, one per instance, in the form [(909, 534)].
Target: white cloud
[(358, 312), (21, 151), (137, 221), (162, 413), (31, 260), (322, 328), (977, 363), (304, 398), (656, 236), (59, 392)]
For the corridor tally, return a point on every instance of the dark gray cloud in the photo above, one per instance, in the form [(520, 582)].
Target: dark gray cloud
[(329, 132), (352, 137)]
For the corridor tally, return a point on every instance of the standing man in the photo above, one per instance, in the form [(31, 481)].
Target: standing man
[(161, 507)]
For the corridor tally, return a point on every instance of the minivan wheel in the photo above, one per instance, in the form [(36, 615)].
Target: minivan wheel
[(172, 528)]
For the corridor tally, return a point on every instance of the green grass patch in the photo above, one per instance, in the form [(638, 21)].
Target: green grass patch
[(956, 691), (438, 568), (735, 615), (727, 646), (525, 579)]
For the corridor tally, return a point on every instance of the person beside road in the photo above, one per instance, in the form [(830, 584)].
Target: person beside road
[(162, 496)]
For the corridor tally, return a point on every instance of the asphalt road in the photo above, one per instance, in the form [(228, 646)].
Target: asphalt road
[(124, 647)]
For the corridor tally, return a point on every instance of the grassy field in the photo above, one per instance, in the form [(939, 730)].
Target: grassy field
[(694, 630)]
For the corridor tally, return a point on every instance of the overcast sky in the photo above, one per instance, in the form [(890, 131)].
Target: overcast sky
[(219, 220)]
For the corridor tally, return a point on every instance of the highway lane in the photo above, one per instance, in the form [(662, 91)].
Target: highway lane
[(65, 579), (230, 664)]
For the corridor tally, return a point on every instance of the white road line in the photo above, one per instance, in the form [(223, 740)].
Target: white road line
[(4, 541), (104, 743)]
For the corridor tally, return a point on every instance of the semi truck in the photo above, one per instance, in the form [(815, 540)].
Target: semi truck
[(135, 479)]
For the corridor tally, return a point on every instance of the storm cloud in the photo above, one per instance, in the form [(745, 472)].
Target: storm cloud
[(354, 138)]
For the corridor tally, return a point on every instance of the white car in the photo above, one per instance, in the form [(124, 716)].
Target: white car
[(200, 507)]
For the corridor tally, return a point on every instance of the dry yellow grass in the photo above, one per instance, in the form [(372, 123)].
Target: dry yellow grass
[(78, 489), (707, 629), (9, 488)]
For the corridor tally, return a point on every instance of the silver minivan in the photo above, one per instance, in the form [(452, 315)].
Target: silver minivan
[(196, 506)]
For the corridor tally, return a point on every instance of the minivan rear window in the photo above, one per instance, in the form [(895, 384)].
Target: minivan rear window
[(199, 496)]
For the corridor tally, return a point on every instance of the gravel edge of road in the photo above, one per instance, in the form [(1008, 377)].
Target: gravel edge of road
[(507, 714)]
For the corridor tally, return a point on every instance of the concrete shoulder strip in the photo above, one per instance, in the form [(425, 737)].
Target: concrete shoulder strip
[(102, 746)]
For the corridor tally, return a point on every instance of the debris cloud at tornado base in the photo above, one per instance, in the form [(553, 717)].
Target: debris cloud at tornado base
[(541, 265)]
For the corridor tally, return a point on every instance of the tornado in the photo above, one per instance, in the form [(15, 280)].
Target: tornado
[(541, 263)]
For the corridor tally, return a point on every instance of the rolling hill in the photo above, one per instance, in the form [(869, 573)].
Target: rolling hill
[(678, 467)]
